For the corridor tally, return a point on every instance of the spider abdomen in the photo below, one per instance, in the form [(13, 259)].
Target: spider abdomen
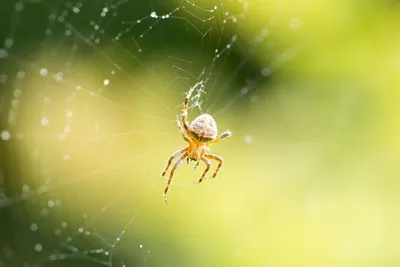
[(204, 128)]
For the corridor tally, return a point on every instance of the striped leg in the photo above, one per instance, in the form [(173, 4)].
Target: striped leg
[(227, 133), (182, 131), (197, 164), (207, 162), (176, 165), (218, 158), (185, 112), (177, 153)]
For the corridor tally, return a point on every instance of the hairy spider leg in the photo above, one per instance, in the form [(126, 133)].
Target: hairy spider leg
[(176, 165), (197, 164), (217, 158), (207, 162), (185, 113), (177, 153), (182, 131), (219, 138)]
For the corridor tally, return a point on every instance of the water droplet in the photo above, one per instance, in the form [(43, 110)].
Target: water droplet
[(6, 135), (34, 227), (43, 72), (17, 92), (153, 14), (58, 77), (26, 188), (52, 257), (266, 72), (21, 74), (3, 54), (8, 42), (19, 6), (51, 203), (15, 103), (44, 121), (44, 212), (248, 139), (38, 247), (3, 78)]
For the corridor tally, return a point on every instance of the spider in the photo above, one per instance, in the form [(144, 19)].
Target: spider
[(201, 133)]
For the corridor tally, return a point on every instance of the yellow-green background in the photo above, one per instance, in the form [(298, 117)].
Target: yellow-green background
[(311, 173)]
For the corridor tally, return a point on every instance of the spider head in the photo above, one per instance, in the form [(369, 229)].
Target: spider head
[(204, 128)]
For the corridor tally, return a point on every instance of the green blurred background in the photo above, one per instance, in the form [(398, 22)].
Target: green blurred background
[(311, 172)]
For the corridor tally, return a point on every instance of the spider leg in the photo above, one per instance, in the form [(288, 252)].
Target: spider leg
[(207, 162), (176, 165), (217, 158), (185, 113), (227, 133), (182, 131), (197, 164), (177, 153)]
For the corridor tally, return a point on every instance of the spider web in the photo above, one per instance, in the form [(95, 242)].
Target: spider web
[(91, 90)]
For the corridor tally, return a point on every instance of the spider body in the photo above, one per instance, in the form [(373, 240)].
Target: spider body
[(196, 150), (201, 133)]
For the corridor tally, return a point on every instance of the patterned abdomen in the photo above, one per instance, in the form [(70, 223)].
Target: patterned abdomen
[(204, 128)]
